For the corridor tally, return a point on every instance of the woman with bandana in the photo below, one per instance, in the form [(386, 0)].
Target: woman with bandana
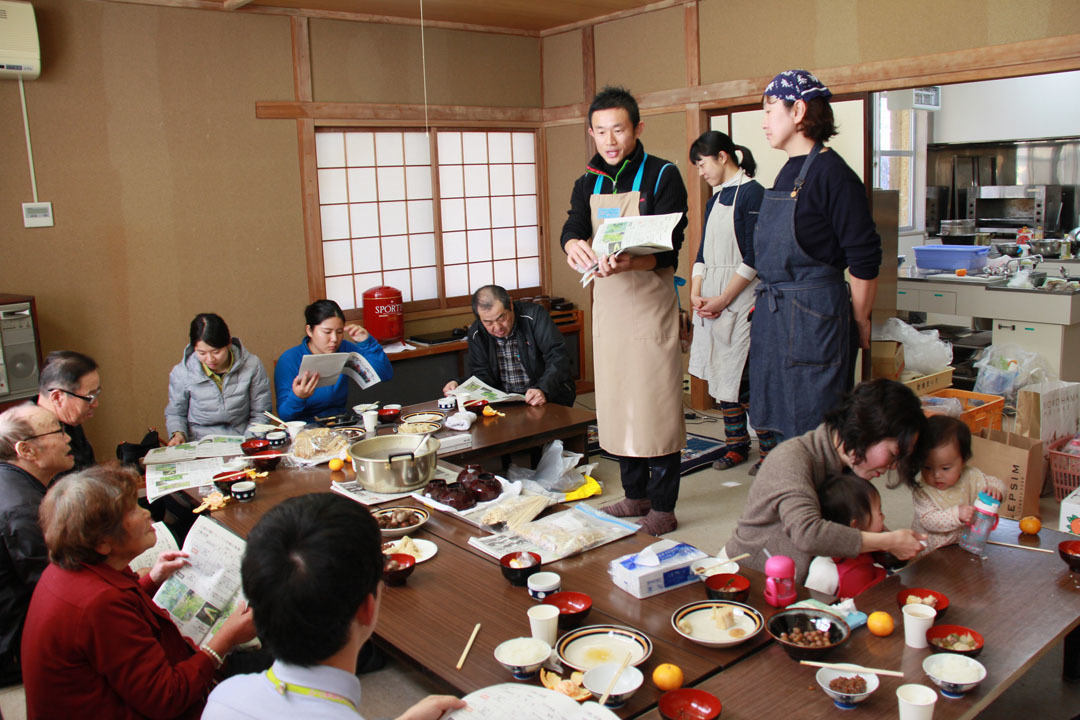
[(814, 223)]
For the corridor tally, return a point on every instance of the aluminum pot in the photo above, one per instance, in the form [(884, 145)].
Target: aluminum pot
[(386, 464)]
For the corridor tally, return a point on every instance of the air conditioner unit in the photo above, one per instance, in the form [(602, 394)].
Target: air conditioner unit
[(921, 98), (20, 54)]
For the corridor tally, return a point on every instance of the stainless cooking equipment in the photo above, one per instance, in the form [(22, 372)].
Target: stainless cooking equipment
[(958, 227), (1007, 208), (388, 463), (1007, 248), (1047, 248)]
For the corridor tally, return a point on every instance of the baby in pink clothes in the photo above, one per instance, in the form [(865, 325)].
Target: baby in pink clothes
[(946, 489)]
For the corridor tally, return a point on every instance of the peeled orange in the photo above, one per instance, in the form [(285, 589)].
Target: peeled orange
[(880, 623), (336, 464), (667, 677), (1030, 525)]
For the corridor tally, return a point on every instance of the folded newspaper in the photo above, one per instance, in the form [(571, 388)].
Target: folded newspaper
[(635, 235), (208, 447), (202, 594), (476, 389), (351, 364)]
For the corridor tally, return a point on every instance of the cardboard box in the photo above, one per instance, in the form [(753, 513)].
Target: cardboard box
[(1015, 460), (661, 566), (1070, 513), (926, 384), (886, 359)]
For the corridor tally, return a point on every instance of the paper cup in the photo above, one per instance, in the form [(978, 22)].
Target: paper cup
[(918, 618), (916, 701), (544, 623), (371, 420)]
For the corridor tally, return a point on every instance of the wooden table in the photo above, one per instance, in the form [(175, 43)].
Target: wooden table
[(524, 427), (1022, 602)]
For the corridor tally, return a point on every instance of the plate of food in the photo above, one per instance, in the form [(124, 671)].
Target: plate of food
[(585, 648), (422, 550), (398, 521), (417, 428), (717, 623), (424, 416)]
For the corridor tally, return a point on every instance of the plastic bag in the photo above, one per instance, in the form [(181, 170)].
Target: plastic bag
[(316, 446), (924, 351), (941, 406), (557, 471), (1006, 368)]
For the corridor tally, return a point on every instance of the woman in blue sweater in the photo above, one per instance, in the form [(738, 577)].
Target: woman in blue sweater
[(298, 398)]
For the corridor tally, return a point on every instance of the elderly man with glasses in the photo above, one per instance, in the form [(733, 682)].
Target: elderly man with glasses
[(69, 386), (34, 448)]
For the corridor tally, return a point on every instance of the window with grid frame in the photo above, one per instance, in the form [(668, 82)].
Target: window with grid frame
[(436, 217), (895, 158)]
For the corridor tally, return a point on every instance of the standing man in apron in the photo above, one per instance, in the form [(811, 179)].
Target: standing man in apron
[(637, 361), (815, 222)]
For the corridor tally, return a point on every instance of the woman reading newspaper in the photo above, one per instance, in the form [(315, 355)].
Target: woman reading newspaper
[(95, 644)]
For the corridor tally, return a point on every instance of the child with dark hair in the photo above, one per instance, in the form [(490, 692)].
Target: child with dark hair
[(852, 501), (945, 491)]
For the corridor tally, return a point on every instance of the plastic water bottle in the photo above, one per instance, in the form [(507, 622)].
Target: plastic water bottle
[(984, 521), (780, 581)]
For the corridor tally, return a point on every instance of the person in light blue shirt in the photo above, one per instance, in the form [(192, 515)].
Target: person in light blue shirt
[(312, 576), (298, 398)]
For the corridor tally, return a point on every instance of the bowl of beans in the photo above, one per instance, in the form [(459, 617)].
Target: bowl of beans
[(845, 687), (807, 633), (399, 521)]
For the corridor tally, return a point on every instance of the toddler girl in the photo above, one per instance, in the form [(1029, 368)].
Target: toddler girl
[(848, 500), (943, 494)]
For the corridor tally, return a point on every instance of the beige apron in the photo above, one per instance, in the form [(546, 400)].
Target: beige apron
[(636, 358), (720, 345)]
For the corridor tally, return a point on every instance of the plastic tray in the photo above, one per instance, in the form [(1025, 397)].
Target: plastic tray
[(981, 410), (951, 257)]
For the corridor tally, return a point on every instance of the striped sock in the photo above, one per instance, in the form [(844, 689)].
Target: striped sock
[(735, 424)]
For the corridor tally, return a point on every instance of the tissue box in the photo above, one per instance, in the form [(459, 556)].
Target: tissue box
[(661, 566)]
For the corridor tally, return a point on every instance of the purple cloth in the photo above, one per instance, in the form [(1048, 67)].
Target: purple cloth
[(796, 85)]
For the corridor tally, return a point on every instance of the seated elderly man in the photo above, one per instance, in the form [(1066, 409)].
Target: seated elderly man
[(33, 449), (69, 386), (320, 553), (515, 347)]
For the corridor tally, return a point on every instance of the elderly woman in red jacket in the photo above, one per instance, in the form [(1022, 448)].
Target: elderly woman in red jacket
[(94, 641)]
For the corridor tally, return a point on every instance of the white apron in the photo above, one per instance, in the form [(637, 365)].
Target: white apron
[(720, 347), (636, 357)]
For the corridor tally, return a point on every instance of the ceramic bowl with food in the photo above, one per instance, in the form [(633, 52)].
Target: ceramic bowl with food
[(398, 567), (522, 656), (225, 486), (954, 639), (954, 674), (592, 645), (254, 446), (1069, 551), (598, 680), (924, 596), (518, 566), (266, 461), (397, 521), (845, 687), (727, 586), (689, 704), (808, 633), (717, 623), (389, 413), (573, 607), (417, 428)]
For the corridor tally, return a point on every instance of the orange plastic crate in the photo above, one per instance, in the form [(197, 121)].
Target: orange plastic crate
[(980, 409), (1064, 469)]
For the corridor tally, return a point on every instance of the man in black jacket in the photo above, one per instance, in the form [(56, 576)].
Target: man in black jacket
[(34, 448), (515, 347)]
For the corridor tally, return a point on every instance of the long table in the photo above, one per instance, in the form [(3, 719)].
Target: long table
[(1022, 603)]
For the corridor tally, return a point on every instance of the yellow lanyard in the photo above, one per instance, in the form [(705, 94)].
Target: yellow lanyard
[(284, 687)]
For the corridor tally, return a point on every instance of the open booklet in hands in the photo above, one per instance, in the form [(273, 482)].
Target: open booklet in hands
[(636, 235)]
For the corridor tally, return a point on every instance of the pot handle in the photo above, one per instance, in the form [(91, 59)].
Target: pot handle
[(390, 459)]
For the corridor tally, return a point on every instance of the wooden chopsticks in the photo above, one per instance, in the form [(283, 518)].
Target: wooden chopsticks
[(1022, 547), (468, 646), (848, 667)]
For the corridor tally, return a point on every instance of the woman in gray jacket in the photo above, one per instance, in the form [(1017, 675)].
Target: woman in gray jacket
[(218, 388)]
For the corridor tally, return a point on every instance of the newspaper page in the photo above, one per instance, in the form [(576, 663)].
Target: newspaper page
[(165, 478), (557, 536), (526, 702), (201, 594), (165, 542), (354, 491), (476, 389), (209, 446), (636, 235), (329, 366)]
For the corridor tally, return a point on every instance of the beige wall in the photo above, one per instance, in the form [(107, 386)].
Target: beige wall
[(643, 52), (563, 74)]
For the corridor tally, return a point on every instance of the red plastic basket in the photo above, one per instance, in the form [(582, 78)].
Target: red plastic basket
[(1064, 469)]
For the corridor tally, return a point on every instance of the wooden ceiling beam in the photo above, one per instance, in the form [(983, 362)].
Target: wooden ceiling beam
[(659, 5), (286, 110), (233, 4)]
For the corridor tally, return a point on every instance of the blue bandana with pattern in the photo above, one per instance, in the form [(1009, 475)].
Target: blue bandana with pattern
[(796, 85)]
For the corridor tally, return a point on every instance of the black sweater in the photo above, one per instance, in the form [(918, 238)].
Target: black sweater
[(832, 216), (657, 198)]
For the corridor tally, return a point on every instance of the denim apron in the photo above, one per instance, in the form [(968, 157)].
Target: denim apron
[(801, 338), (637, 359)]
